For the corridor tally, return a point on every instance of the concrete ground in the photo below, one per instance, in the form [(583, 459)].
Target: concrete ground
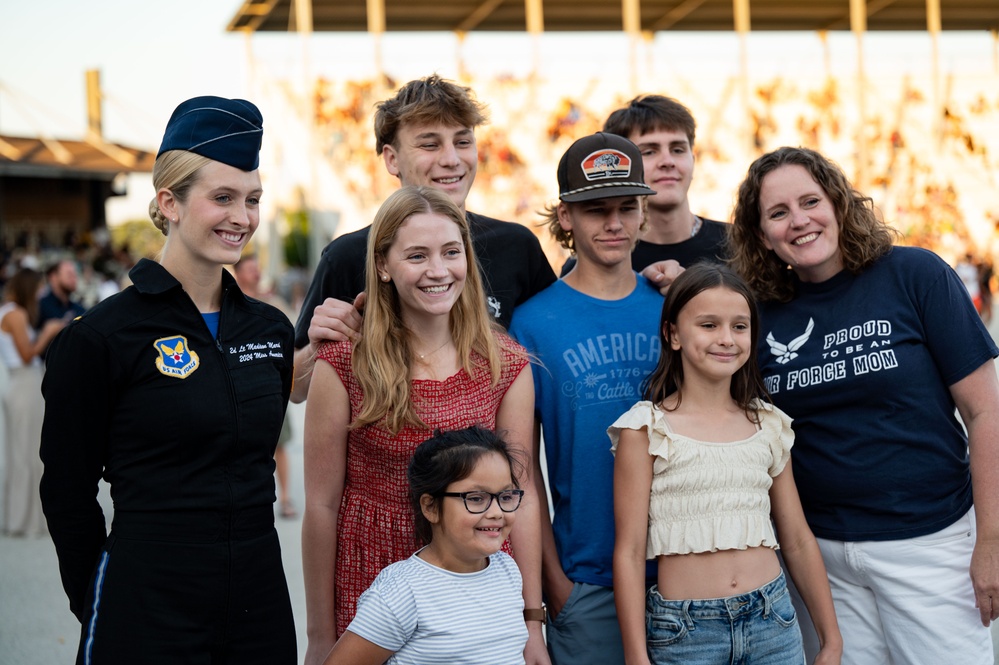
[(36, 626)]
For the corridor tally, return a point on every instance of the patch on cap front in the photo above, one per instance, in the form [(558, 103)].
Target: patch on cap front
[(612, 167), (606, 164)]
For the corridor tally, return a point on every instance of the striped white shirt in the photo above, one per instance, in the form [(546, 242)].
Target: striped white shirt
[(429, 615)]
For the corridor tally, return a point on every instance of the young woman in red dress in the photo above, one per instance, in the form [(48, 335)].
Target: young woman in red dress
[(427, 359)]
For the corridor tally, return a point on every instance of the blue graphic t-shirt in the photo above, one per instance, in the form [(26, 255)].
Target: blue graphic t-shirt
[(593, 355), (863, 364)]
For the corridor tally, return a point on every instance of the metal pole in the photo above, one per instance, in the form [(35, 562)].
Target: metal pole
[(376, 28), (535, 17), (308, 203), (632, 24), (858, 25), (933, 26), (742, 27), (95, 129)]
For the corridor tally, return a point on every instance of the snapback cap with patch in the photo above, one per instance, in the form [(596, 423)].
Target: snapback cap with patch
[(601, 166)]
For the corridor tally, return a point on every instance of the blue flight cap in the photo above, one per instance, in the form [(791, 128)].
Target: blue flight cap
[(226, 130)]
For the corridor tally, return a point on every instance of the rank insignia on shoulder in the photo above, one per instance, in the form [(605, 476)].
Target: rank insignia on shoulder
[(175, 359)]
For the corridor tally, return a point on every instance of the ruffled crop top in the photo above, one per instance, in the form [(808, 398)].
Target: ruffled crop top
[(708, 496)]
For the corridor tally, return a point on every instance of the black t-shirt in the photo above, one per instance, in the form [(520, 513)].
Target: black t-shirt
[(513, 265), (707, 245)]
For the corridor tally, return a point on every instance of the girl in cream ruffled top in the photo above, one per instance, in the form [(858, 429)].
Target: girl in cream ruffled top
[(709, 496), (709, 457)]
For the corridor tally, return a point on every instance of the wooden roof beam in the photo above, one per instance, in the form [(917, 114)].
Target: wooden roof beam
[(10, 151), (123, 157), (480, 14), (848, 19), (58, 150), (677, 14), (257, 10)]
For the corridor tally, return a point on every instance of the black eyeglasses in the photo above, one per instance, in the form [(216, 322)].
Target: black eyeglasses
[(479, 502)]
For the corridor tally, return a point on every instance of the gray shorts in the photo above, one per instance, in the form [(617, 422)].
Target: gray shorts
[(586, 631)]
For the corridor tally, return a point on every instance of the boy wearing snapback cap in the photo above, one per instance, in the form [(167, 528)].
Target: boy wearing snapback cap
[(675, 238), (594, 335), (663, 130)]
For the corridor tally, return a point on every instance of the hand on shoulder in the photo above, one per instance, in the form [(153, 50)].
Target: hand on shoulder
[(336, 320), (662, 274)]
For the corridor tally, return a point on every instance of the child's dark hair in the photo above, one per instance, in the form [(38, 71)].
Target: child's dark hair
[(666, 379), (448, 457)]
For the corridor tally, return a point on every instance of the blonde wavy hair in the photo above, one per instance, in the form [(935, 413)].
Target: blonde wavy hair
[(864, 237), (383, 357), (176, 170)]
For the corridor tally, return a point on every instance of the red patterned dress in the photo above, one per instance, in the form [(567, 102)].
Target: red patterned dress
[(376, 524)]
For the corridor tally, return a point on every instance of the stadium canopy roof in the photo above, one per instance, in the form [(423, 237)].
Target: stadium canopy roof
[(614, 15), (61, 158)]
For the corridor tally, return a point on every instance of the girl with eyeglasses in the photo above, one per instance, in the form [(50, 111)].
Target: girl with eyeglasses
[(427, 359), (458, 600), (709, 456)]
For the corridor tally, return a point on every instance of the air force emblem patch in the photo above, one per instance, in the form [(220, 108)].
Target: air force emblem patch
[(785, 353), (175, 358)]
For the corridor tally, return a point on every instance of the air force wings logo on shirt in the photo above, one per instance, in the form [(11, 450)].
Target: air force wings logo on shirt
[(175, 358), (788, 352)]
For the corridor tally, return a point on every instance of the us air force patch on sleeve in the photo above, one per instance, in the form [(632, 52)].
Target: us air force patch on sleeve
[(175, 358)]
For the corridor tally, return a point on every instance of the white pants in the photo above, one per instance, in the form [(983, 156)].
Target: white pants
[(24, 410), (905, 602)]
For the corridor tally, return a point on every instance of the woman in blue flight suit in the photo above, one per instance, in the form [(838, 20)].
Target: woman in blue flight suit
[(174, 390)]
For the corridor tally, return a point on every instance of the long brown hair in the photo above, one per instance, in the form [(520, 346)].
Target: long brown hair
[(864, 237), (22, 290), (667, 378), (383, 357)]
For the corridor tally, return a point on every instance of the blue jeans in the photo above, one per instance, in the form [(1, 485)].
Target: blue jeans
[(755, 628)]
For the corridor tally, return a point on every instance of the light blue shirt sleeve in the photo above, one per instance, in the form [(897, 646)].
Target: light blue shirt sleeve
[(386, 615)]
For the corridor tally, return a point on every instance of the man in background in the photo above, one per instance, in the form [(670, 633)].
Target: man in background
[(57, 303)]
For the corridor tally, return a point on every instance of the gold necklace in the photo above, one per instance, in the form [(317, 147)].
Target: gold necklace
[(423, 356)]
